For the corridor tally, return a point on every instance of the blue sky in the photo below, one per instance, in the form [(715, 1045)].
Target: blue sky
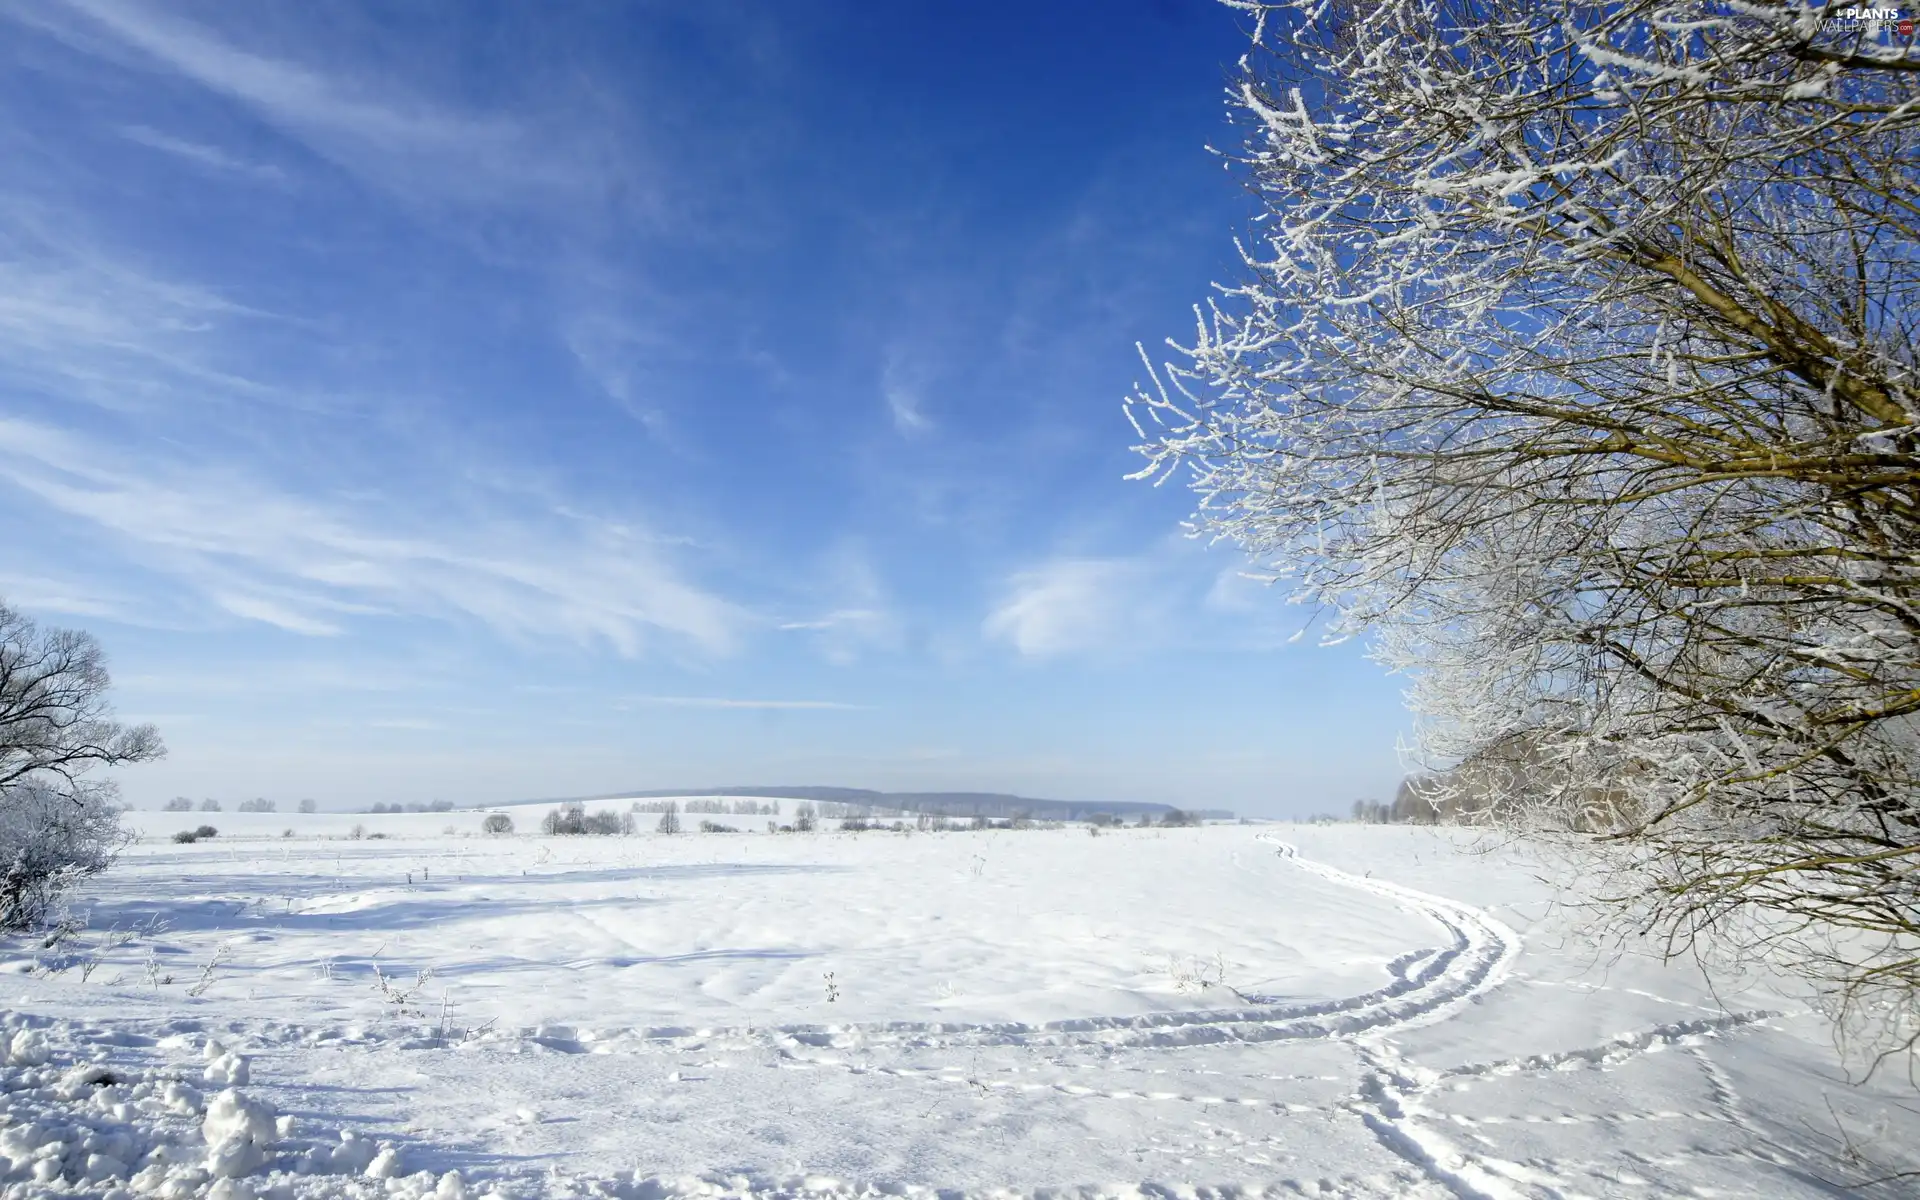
[(481, 401)]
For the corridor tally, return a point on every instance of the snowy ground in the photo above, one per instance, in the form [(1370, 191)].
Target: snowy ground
[(1332, 1011)]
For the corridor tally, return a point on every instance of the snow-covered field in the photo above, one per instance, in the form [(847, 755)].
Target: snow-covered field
[(1236, 1010)]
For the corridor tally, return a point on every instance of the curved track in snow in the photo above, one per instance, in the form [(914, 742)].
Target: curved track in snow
[(1428, 984)]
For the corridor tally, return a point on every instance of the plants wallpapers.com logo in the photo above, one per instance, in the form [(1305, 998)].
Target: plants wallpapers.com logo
[(1872, 20)]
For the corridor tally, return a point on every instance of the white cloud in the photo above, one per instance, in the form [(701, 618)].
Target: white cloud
[(903, 387), (255, 608), (79, 323), (620, 356), (200, 154), (860, 616), (45, 594), (406, 144), (1073, 605), (268, 555)]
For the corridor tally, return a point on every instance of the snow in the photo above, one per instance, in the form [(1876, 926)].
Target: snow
[(1339, 1011)]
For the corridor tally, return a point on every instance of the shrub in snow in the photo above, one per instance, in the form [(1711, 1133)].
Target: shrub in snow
[(55, 725), (260, 805), (568, 820), (669, 822), (186, 837), (497, 823), (50, 840), (307, 806), (206, 831), (606, 823), (209, 805), (179, 804)]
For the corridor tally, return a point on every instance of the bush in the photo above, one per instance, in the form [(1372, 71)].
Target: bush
[(357, 832), (497, 823), (307, 806), (259, 806), (854, 825), (178, 804), (669, 822), (209, 805), (186, 837), (716, 827), (206, 831), (569, 820), (50, 841), (1177, 818)]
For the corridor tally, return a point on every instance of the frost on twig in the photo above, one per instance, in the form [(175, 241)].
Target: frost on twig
[(1573, 368)]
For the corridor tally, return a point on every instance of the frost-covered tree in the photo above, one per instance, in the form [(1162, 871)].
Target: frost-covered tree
[(55, 726), (1573, 366)]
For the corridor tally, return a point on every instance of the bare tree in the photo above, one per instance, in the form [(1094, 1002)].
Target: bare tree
[(55, 726), (1574, 367)]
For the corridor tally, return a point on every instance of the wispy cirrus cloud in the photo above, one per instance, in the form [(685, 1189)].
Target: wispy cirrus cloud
[(207, 157), (903, 386), (81, 322), (1075, 605), (404, 142), (860, 614), (308, 565)]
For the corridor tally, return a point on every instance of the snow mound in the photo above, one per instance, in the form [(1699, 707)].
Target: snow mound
[(98, 1128)]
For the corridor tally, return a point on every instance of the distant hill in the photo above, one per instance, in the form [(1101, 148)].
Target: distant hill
[(952, 804)]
